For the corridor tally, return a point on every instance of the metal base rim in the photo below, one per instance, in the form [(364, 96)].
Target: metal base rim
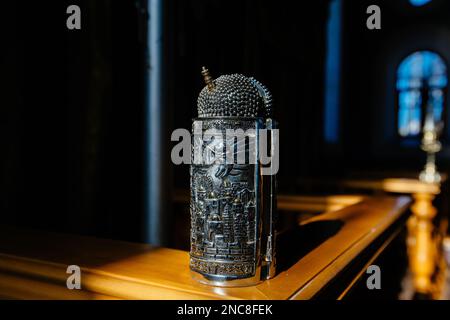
[(223, 281)]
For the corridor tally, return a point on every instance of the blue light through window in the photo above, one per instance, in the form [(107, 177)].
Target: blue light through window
[(419, 3), (421, 79), (332, 73)]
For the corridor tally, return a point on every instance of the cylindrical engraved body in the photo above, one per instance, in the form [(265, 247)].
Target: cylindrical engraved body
[(232, 204)]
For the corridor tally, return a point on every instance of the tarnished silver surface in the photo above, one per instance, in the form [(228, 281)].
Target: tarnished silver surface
[(224, 207), (235, 95), (232, 204)]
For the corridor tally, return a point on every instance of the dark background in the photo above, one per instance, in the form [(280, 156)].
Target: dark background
[(72, 111)]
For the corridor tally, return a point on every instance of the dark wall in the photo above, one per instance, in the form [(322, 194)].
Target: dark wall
[(72, 110), (71, 124), (72, 120), (280, 43), (370, 141)]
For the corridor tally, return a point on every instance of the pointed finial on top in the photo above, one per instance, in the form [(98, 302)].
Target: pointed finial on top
[(208, 80)]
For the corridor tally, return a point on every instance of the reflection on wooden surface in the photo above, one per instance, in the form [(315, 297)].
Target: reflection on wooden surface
[(316, 253)]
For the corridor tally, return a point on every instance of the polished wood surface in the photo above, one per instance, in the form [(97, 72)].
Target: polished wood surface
[(396, 185), (424, 238), (314, 203), (33, 263)]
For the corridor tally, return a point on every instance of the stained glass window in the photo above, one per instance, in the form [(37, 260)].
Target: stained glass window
[(421, 80)]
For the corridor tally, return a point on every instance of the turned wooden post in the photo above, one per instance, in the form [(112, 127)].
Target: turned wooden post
[(424, 239), (422, 247)]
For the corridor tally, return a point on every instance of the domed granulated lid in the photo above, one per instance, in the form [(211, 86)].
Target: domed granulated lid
[(233, 95)]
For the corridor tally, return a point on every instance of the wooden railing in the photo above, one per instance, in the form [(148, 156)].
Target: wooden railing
[(425, 236), (311, 257)]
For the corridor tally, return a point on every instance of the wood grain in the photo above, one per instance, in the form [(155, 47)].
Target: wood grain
[(114, 269)]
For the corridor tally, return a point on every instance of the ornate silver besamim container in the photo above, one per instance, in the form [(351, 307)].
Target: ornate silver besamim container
[(232, 201)]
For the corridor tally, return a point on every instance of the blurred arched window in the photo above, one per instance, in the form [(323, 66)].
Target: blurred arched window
[(419, 3), (421, 83)]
